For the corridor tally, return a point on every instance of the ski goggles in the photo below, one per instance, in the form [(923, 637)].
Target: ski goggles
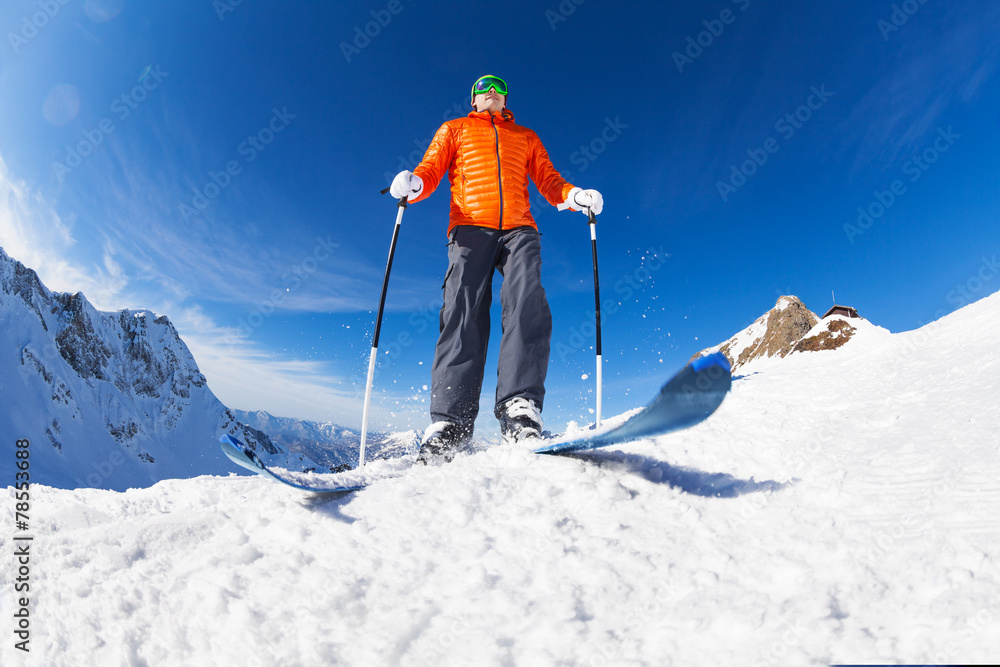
[(484, 84)]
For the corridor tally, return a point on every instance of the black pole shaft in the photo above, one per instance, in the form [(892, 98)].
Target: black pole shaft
[(385, 281), (597, 281)]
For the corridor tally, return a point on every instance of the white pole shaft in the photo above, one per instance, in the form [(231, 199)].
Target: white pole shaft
[(599, 385), (368, 402)]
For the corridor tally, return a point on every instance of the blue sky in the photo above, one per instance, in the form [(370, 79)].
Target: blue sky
[(220, 163)]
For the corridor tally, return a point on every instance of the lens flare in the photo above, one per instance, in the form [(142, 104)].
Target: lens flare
[(102, 11), (61, 104)]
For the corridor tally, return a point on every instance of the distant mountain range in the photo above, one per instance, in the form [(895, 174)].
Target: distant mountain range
[(329, 444)]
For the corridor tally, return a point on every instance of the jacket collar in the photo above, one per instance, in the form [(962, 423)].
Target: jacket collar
[(505, 115)]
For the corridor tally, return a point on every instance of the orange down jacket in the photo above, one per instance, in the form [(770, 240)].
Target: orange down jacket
[(489, 159)]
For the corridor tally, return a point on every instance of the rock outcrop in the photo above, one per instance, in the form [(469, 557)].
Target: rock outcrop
[(773, 334)]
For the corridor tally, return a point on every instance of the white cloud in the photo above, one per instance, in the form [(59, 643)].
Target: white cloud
[(919, 87), (244, 376), (32, 232)]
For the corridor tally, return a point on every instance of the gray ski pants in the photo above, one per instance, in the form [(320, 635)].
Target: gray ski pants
[(460, 357)]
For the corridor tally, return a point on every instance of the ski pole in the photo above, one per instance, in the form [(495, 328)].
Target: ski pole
[(592, 219), (378, 328), (597, 309)]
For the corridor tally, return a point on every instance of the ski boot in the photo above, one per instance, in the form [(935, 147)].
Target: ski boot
[(520, 419), (442, 441)]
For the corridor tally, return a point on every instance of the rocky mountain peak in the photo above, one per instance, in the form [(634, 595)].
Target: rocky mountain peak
[(21, 283), (77, 339), (773, 334)]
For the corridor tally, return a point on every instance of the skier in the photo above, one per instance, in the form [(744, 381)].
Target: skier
[(489, 159)]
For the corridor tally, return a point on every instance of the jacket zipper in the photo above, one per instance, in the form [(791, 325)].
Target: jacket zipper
[(499, 172)]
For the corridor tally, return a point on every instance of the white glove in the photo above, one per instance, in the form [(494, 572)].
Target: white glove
[(406, 184), (584, 199)]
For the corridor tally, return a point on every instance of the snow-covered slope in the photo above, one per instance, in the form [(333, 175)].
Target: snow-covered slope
[(107, 400), (840, 507)]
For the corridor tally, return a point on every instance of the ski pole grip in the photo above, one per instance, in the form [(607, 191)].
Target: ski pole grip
[(590, 213), (402, 200)]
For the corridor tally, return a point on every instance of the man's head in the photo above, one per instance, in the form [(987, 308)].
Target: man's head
[(489, 93)]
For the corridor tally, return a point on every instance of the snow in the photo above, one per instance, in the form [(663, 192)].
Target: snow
[(840, 507), (862, 334), (784, 302), (863, 328), (746, 338)]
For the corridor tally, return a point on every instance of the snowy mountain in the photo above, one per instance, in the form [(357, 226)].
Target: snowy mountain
[(840, 507), (787, 328), (107, 400)]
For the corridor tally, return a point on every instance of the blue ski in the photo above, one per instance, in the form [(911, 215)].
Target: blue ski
[(687, 399), (243, 456)]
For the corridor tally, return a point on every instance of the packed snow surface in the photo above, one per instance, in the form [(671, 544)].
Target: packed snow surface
[(840, 507)]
